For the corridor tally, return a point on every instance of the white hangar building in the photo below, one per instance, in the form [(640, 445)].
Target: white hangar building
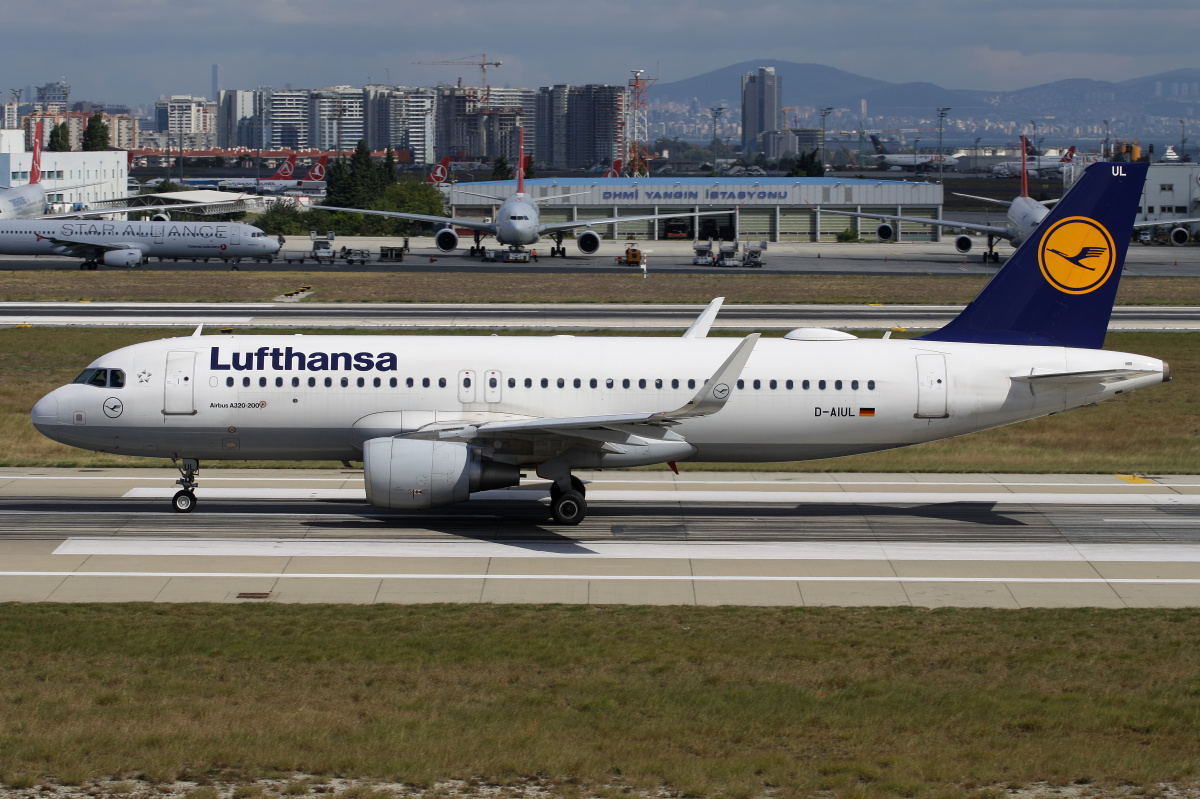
[(761, 208), (99, 175)]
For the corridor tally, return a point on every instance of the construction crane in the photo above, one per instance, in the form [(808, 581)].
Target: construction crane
[(482, 63), (795, 117)]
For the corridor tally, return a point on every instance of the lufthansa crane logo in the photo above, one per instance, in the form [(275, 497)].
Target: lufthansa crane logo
[(1077, 255)]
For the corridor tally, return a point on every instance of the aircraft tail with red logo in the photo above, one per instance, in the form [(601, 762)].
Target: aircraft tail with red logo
[(614, 171), (440, 172), (1069, 156), (317, 170), (286, 170), (35, 171)]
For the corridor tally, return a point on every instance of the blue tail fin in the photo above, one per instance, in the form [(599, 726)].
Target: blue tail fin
[(1058, 288)]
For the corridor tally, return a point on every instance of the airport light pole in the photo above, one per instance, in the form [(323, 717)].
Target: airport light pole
[(824, 113), (1035, 141), (975, 156), (941, 157), (1104, 152), (1182, 140)]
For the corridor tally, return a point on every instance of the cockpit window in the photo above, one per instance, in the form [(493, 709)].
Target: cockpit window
[(113, 378)]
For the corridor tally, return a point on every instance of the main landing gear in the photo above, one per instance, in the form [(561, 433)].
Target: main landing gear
[(477, 248), (567, 495), (184, 500), (990, 254), (89, 264)]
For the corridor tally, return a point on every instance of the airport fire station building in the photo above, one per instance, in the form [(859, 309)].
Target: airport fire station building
[(759, 208)]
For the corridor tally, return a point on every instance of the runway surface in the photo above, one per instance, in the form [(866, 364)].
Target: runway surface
[(749, 538), (514, 316)]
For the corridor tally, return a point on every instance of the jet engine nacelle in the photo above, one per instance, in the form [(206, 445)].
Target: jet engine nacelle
[(403, 473), (885, 232), (588, 242), (127, 258), (160, 217), (963, 243), (446, 240), (1180, 235)]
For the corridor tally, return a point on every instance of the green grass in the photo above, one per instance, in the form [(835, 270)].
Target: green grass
[(1154, 431), (709, 702)]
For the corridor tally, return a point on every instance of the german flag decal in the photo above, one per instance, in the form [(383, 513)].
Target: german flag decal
[(866, 411)]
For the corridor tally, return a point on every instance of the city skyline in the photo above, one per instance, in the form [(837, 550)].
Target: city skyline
[(168, 47)]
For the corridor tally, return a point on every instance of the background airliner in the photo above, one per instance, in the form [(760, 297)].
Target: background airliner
[(437, 418), (1023, 218), (910, 160), (1036, 165), (128, 244), (518, 221)]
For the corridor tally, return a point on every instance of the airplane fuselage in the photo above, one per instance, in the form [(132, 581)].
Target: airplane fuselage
[(322, 397), (518, 221), (169, 239), (1024, 216), (23, 202)]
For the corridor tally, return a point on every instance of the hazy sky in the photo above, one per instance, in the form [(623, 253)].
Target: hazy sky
[(134, 50)]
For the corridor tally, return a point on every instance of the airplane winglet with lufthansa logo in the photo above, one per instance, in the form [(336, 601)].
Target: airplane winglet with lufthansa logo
[(1058, 288)]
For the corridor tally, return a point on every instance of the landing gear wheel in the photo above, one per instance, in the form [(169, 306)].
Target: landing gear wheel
[(183, 501), (576, 486), (568, 507)]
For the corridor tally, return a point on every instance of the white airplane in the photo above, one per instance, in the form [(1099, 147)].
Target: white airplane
[(1023, 218), (129, 244), (910, 160), (518, 221), (1035, 165), (435, 419)]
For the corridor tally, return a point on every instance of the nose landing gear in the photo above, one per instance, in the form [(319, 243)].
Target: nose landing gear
[(184, 500)]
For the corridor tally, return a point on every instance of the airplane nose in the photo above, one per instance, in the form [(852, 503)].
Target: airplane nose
[(45, 412)]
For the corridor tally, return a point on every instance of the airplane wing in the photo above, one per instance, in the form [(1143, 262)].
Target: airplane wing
[(982, 199), (84, 249), (992, 230), (469, 224), (711, 397), (1166, 223), (144, 209), (704, 321), (555, 227)]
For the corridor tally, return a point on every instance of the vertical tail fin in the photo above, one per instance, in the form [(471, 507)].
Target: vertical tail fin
[(521, 163), (286, 170), (440, 172), (1069, 156), (317, 170), (1058, 288), (614, 171), (879, 148), (35, 171)]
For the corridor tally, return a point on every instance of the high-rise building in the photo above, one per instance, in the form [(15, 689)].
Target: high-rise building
[(401, 117), (193, 118), (595, 115), (761, 105), (237, 124), (54, 97), (550, 136), (283, 115), (336, 118)]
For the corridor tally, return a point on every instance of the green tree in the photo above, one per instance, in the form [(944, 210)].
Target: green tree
[(60, 139), (283, 217), (501, 169), (530, 172), (387, 168), (95, 135)]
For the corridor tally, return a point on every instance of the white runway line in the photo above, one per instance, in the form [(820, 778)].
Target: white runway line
[(590, 550), (615, 577), (717, 496)]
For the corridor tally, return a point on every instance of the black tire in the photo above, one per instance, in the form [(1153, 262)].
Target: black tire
[(568, 508), (578, 487), (183, 501)]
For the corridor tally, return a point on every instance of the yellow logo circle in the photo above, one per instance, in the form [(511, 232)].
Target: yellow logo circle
[(1077, 255)]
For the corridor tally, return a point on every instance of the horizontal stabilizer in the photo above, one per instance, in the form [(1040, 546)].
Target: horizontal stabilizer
[(1076, 378)]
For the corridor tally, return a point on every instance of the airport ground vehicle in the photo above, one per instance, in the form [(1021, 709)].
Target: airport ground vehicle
[(320, 250)]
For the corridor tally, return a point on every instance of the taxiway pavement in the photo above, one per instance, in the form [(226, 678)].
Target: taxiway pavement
[(747, 538)]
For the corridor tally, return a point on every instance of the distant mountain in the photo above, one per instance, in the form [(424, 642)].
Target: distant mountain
[(803, 84), (1174, 93)]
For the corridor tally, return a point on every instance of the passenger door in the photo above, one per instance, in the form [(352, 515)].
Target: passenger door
[(178, 386), (466, 386)]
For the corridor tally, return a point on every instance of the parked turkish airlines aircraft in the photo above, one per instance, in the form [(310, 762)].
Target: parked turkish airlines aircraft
[(437, 418), (119, 243), (518, 221), (1036, 165), (440, 172), (910, 160), (285, 176)]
